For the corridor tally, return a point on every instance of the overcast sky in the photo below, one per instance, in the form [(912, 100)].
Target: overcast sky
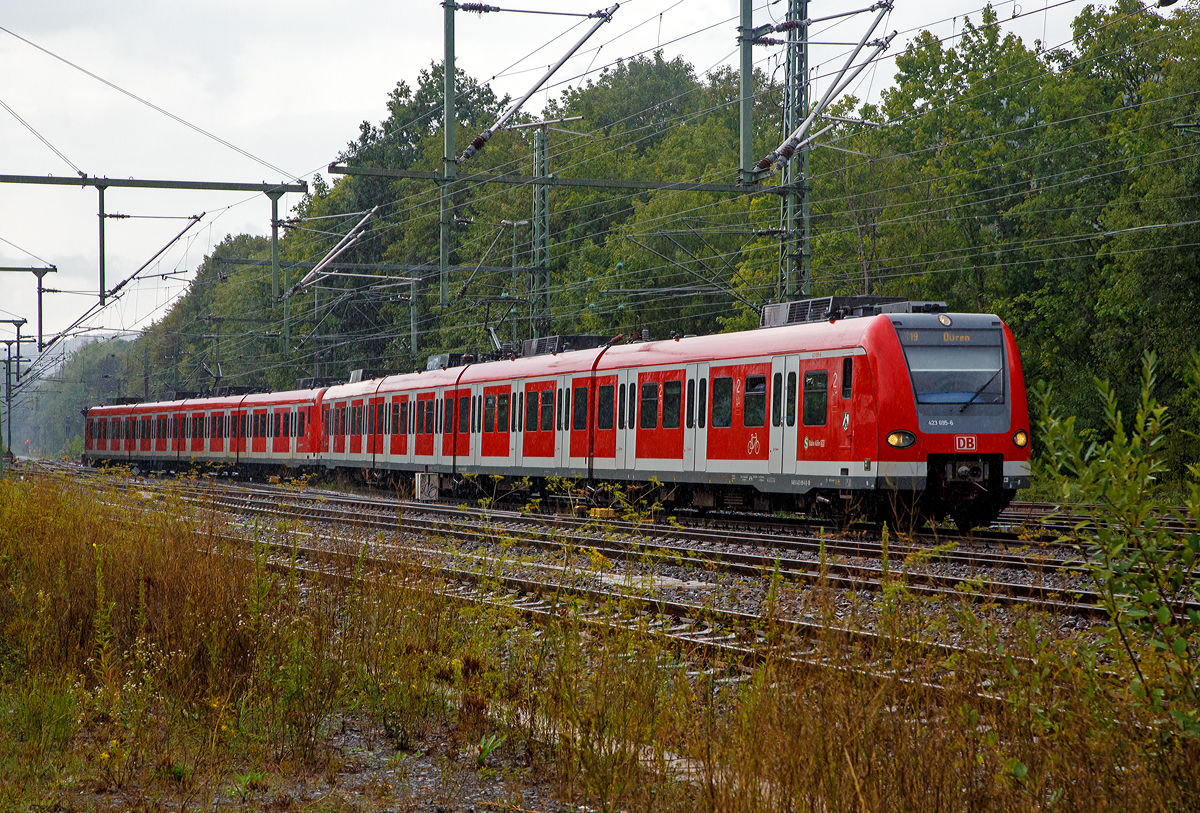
[(289, 83)]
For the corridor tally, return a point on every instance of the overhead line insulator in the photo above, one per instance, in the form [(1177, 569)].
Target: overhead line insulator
[(478, 8)]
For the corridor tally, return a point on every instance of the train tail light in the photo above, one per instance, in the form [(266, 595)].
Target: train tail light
[(901, 439), (1021, 439)]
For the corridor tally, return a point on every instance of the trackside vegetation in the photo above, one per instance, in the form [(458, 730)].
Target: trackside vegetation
[(148, 654)]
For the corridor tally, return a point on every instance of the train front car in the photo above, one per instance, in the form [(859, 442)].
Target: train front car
[(953, 417)]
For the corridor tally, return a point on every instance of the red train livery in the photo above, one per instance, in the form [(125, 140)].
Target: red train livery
[(903, 407)]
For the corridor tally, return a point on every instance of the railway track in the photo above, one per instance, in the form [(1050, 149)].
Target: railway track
[(1041, 576), (1048, 583)]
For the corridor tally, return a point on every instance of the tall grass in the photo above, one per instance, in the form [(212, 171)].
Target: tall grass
[(140, 647)]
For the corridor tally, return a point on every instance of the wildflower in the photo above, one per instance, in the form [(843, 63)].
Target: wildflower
[(104, 755)]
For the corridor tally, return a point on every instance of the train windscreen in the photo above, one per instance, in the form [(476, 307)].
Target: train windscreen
[(955, 366)]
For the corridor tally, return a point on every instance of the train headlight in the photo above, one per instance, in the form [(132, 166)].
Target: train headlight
[(1021, 439), (901, 439)]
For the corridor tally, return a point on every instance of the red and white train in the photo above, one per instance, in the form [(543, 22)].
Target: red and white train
[(885, 405)]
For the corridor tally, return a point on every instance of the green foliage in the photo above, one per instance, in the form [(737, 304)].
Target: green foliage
[(1145, 569), (1051, 187)]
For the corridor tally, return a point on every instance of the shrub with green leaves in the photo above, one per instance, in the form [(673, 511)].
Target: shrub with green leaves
[(1144, 568)]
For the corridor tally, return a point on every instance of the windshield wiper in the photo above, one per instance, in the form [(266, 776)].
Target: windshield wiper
[(981, 389)]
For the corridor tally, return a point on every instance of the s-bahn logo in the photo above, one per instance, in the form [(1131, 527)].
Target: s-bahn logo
[(964, 443)]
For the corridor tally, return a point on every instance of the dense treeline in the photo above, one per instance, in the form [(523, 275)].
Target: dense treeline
[(1052, 187)]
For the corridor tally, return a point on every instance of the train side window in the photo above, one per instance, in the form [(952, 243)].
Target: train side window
[(691, 403), (754, 401), (581, 398), (722, 402), (421, 417), (777, 399), (278, 417), (816, 398), (791, 399), (632, 405), (547, 410), (300, 425), (531, 412), (489, 413), (437, 411), (702, 406), (502, 412), (371, 419), (558, 412), (464, 413), (847, 377), (567, 408), (621, 407), (672, 404), (649, 405), (604, 406), (396, 420), (519, 411), (429, 417)]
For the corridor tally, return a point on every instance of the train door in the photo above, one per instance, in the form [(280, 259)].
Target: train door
[(785, 378), (843, 391), (690, 380), (562, 423), (700, 438), (517, 423), (624, 456)]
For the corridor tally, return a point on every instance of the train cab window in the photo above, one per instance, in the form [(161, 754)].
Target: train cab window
[(754, 401), (649, 405), (672, 404), (531, 412), (547, 410), (791, 399), (502, 412), (777, 399), (847, 377), (581, 399), (816, 398), (604, 406), (621, 407), (489, 413), (722, 402), (691, 403), (702, 405)]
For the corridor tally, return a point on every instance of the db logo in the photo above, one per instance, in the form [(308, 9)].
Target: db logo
[(964, 443)]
